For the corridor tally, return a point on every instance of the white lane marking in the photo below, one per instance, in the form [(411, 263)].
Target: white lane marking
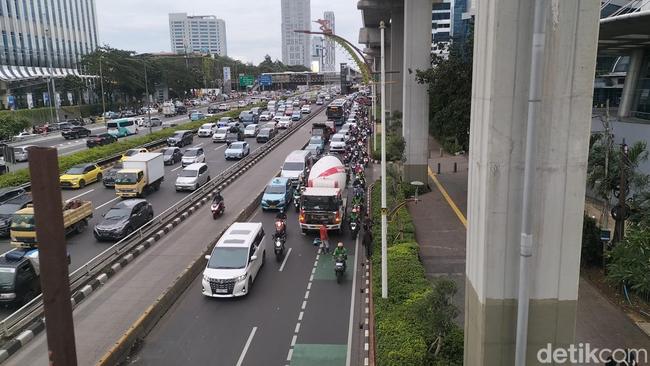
[(290, 354), (248, 343), (285, 260), (293, 340), (178, 167), (302, 313), (307, 295), (8, 251), (309, 286), (104, 204), (220, 147), (198, 145), (354, 285), (304, 305), (297, 330), (79, 195)]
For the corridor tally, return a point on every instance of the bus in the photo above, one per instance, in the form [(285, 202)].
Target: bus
[(122, 127), (336, 112)]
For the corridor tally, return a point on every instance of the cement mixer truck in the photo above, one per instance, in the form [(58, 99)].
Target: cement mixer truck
[(325, 197)]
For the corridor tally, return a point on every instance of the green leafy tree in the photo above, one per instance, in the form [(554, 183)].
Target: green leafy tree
[(11, 125), (629, 261), (449, 83)]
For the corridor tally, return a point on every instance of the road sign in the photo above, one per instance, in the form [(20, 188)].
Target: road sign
[(226, 73), (246, 80), (266, 80)]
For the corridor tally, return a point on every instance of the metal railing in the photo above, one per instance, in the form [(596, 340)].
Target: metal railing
[(20, 319)]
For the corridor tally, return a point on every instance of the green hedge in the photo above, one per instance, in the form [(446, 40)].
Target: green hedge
[(38, 116), (21, 176), (404, 322)]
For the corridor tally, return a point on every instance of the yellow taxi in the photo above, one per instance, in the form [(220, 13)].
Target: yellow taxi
[(81, 174), (131, 152)]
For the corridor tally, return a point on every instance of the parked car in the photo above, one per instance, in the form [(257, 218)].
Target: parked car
[(237, 150), (81, 174), (108, 178), (122, 219), (75, 132), (172, 155), (100, 140), (192, 177), (12, 199), (20, 153), (181, 138), (193, 155), (265, 135), (251, 130)]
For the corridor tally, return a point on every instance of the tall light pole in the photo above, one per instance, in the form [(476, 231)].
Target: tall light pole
[(384, 204), (101, 81), (49, 71), (146, 92)]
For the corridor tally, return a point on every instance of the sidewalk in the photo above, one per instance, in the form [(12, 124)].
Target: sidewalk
[(441, 235)]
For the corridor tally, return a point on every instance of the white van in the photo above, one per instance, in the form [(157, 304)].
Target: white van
[(296, 164), (235, 261)]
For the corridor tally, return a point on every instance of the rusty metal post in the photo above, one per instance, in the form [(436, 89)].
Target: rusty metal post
[(44, 171)]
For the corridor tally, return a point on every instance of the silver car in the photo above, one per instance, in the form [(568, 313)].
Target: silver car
[(20, 153), (192, 177)]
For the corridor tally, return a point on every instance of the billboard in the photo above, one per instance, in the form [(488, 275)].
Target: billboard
[(226, 73)]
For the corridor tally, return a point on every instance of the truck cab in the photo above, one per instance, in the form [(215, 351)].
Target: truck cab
[(141, 173), (129, 182)]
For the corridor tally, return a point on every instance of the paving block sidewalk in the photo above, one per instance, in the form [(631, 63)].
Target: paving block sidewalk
[(441, 236)]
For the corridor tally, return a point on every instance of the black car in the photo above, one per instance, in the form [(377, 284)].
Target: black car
[(108, 179), (172, 155), (265, 135), (75, 132), (234, 134), (213, 109), (181, 138), (123, 218), (19, 282), (99, 140), (181, 110), (12, 199)]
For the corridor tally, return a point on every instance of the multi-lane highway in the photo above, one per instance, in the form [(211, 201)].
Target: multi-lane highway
[(295, 314)]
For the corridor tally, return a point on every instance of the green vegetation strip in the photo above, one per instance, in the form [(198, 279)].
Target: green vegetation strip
[(21, 176), (415, 324)]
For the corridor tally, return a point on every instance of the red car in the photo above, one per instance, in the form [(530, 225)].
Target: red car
[(288, 112)]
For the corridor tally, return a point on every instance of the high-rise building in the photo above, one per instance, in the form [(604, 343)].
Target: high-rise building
[(329, 61), (296, 48), (37, 33), (441, 30), (317, 52), (200, 33)]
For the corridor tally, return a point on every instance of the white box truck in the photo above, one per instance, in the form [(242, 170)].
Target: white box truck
[(169, 110), (141, 174), (325, 198)]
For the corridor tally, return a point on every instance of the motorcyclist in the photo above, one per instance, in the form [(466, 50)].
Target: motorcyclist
[(217, 198), (340, 251), (281, 224)]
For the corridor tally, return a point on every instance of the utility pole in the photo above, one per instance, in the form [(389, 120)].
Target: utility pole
[(49, 71), (44, 170), (384, 204)]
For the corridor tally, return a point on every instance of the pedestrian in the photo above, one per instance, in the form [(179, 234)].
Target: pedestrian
[(324, 239)]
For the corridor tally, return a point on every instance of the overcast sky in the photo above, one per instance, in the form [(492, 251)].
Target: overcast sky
[(252, 26)]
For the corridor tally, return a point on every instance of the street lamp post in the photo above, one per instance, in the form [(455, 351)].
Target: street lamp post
[(101, 82), (384, 205), (48, 45), (146, 92)]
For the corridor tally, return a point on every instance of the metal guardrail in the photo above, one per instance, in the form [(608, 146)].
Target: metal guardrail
[(21, 318)]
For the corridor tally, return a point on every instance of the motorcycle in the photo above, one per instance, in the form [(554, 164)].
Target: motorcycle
[(217, 209), (278, 246), (296, 197), (281, 227), (339, 268)]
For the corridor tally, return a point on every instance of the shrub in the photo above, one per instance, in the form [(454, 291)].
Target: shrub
[(629, 261)]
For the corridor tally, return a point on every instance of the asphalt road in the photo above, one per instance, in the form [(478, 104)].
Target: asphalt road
[(296, 313), (83, 247)]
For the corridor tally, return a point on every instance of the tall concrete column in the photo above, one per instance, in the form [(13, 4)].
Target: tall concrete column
[(415, 100), (397, 59), (389, 66), (631, 80), (502, 58)]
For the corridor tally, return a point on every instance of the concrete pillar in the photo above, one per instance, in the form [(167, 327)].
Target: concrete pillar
[(415, 100), (502, 58), (389, 66), (631, 80), (397, 59)]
